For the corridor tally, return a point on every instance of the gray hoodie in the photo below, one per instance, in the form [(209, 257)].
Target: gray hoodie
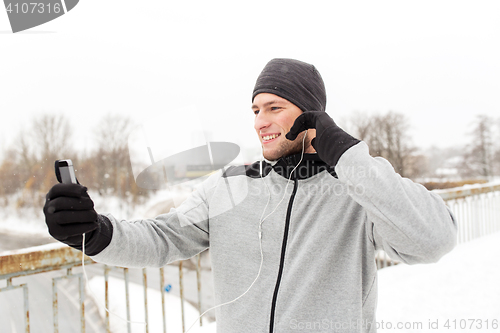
[(319, 236)]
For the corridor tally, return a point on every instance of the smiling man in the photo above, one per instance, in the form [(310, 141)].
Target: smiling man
[(274, 116), (293, 237)]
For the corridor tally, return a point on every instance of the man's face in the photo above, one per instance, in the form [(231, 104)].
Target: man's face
[(274, 116)]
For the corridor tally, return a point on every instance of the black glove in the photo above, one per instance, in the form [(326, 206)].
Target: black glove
[(69, 212), (330, 141)]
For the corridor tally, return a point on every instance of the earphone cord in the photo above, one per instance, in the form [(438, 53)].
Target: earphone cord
[(289, 178), (260, 237), (261, 221), (95, 297)]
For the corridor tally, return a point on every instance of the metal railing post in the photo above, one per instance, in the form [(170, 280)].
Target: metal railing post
[(127, 299), (198, 282), (26, 307), (181, 291), (106, 296), (162, 291), (145, 283)]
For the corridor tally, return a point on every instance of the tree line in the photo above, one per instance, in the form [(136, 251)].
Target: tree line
[(387, 135), (27, 168)]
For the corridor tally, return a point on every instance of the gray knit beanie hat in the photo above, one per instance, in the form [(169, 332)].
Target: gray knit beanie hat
[(295, 81)]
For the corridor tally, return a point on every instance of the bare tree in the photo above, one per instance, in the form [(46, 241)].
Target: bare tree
[(387, 136), (112, 133), (23, 154), (113, 171), (10, 176), (52, 136), (496, 148), (479, 154), (29, 167), (360, 124)]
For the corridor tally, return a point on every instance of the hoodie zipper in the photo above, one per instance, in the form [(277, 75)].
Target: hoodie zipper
[(282, 259)]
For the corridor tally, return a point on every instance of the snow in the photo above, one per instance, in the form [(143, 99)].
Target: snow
[(461, 290), (494, 182), (23, 221), (30, 221), (136, 294), (45, 247), (447, 171)]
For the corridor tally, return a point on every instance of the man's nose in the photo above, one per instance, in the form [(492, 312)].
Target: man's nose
[(261, 121)]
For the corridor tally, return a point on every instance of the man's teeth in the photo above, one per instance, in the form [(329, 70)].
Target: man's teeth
[(270, 137)]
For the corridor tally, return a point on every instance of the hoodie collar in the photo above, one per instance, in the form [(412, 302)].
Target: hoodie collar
[(310, 165)]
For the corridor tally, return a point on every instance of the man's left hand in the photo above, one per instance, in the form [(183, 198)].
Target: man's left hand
[(330, 141)]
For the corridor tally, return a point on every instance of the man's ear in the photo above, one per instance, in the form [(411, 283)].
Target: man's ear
[(311, 134)]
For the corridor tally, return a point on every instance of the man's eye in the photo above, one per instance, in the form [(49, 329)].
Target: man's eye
[(256, 112), (274, 108)]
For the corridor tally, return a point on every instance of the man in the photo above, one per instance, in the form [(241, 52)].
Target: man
[(295, 250)]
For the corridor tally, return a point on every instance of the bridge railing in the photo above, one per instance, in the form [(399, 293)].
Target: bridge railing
[(66, 263), (476, 208)]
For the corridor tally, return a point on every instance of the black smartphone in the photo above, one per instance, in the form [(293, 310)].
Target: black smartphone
[(65, 172)]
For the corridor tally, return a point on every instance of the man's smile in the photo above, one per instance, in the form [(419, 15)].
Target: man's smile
[(267, 138)]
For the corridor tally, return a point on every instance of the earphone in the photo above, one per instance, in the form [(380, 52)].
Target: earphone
[(261, 221)]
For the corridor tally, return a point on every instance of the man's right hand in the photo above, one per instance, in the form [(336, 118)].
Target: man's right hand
[(69, 212)]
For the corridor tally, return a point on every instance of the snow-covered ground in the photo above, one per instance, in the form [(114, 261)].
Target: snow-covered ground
[(30, 221), (23, 221), (460, 293), (117, 307)]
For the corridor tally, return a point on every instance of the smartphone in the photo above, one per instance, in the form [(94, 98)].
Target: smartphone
[(65, 172)]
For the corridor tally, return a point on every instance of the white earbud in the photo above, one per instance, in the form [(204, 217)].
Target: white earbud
[(261, 221)]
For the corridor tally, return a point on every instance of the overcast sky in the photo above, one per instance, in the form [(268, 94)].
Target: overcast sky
[(435, 61)]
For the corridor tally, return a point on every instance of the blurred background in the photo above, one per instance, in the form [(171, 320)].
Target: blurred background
[(418, 81)]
